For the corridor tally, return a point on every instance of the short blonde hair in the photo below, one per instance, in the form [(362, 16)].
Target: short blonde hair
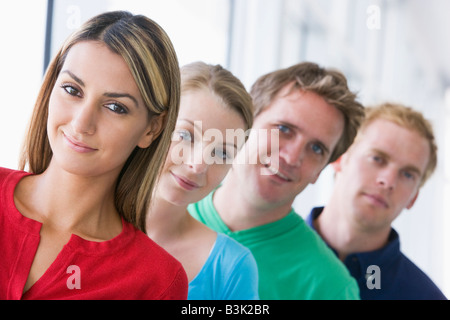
[(410, 119), (149, 53), (222, 83)]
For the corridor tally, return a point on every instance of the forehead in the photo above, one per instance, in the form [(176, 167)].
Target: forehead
[(299, 104), (306, 111), (202, 105), (93, 60), (402, 144)]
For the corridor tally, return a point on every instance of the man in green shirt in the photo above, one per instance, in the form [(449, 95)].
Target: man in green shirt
[(315, 118)]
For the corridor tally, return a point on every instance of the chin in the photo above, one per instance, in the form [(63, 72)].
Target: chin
[(179, 199)]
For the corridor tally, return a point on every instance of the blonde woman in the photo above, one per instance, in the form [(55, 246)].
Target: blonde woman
[(101, 127), (213, 103)]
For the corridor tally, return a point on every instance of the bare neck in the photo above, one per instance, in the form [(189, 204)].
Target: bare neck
[(345, 235), (166, 221), (83, 206), (240, 210), (174, 229)]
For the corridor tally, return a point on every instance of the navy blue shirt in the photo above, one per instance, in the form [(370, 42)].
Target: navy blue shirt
[(386, 273)]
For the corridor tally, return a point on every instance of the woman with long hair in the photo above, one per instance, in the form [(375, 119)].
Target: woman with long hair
[(71, 226)]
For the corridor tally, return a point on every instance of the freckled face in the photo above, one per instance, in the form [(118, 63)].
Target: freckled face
[(96, 114)]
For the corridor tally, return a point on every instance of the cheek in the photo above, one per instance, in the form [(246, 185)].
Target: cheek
[(54, 113), (169, 163), (118, 143), (216, 174), (178, 153), (57, 116), (312, 166)]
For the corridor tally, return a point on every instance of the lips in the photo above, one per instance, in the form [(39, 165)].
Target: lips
[(185, 183), (377, 200), (77, 145), (277, 173)]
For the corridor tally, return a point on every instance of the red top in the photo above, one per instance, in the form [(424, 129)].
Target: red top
[(129, 266)]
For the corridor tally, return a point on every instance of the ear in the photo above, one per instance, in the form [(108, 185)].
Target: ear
[(337, 164), (154, 129), (413, 200)]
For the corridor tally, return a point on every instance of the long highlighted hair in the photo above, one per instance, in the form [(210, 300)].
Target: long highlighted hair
[(149, 53)]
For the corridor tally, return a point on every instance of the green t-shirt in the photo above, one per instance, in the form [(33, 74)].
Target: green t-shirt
[(294, 263)]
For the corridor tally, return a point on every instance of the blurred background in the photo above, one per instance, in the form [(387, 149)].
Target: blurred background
[(390, 50)]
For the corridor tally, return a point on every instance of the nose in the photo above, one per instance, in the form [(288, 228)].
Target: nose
[(84, 119), (387, 178), (292, 153), (196, 162)]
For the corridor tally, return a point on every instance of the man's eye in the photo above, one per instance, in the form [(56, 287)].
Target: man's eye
[(283, 128), (377, 159), (408, 175), (317, 149)]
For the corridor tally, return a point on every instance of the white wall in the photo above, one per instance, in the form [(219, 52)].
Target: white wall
[(22, 30)]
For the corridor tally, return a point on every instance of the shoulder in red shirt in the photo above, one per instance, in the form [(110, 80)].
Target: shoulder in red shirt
[(129, 266)]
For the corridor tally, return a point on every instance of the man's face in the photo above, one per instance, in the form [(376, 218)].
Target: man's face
[(380, 174), (308, 129)]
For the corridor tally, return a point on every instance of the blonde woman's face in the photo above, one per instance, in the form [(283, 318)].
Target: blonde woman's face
[(96, 113), (200, 154)]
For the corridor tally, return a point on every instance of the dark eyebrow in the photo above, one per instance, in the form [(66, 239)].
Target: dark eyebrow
[(121, 95), (107, 94), (74, 77)]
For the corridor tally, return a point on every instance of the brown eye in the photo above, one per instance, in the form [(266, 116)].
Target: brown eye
[(117, 108), (71, 90)]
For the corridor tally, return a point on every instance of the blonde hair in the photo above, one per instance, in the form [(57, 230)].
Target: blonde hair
[(410, 119), (329, 84), (222, 83), (149, 53)]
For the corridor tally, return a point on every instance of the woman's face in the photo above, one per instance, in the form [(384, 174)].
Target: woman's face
[(200, 154), (96, 113)]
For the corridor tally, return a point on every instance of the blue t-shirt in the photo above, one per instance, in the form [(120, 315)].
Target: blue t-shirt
[(398, 277), (229, 273)]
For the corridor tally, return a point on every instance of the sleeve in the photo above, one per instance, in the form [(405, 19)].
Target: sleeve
[(178, 289), (350, 292), (243, 280)]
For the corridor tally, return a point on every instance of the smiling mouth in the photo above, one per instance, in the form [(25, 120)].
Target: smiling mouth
[(185, 183), (77, 146), (277, 173)]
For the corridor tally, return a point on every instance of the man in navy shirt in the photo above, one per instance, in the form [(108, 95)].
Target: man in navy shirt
[(391, 158)]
